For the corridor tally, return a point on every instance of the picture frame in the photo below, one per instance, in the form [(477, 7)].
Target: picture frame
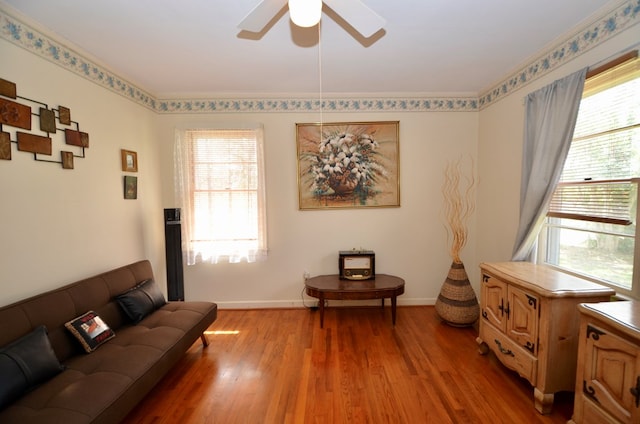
[(348, 165), (130, 187), (129, 160)]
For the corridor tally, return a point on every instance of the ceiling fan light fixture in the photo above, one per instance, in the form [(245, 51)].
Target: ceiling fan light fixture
[(305, 13)]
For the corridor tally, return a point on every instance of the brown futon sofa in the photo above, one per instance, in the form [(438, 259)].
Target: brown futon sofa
[(119, 340)]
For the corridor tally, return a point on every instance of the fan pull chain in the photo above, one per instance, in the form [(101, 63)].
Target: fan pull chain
[(320, 76)]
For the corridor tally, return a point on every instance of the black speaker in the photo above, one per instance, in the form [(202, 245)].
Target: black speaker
[(173, 248)]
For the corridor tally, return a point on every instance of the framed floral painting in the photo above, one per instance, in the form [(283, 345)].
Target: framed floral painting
[(348, 165)]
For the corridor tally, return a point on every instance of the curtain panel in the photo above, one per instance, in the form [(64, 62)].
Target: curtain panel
[(550, 119)]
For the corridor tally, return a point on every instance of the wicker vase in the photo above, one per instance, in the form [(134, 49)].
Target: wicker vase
[(457, 304)]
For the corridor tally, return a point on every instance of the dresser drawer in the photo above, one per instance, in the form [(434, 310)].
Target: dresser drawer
[(509, 353)]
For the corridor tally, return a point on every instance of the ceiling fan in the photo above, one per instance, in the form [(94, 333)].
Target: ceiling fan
[(354, 12)]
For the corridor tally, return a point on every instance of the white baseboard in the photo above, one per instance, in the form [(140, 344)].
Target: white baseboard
[(284, 304)]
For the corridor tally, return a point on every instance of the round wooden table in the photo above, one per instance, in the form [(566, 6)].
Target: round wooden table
[(332, 287)]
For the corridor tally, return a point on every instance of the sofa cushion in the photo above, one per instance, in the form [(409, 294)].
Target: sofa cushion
[(25, 363), (140, 301), (90, 330)]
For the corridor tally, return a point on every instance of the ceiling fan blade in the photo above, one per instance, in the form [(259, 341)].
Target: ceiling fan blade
[(358, 15), (260, 15)]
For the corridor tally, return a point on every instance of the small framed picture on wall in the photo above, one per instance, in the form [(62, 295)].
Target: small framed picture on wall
[(129, 161), (130, 187)]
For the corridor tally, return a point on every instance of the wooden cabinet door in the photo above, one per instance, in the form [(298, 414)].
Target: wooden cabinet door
[(522, 321), (493, 301), (611, 375)]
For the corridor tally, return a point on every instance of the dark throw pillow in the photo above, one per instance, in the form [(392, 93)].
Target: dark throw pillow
[(25, 363), (90, 330), (141, 300)]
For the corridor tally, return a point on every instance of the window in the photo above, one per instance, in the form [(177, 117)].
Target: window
[(220, 188), (591, 224)]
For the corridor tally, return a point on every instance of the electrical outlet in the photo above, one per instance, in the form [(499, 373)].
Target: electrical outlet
[(306, 275)]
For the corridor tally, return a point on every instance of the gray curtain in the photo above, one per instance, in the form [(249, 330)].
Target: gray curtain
[(550, 119)]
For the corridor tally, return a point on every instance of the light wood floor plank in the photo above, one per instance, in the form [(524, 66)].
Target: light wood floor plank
[(279, 366)]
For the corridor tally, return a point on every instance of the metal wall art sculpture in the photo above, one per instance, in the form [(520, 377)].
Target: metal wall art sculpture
[(38, 141)]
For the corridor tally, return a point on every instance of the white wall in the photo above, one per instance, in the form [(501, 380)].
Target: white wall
[(409, 241), (62, 225), (500, 152), (56, 225)]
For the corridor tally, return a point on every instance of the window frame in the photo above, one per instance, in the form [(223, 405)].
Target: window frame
[(209, 251), (544, 244)]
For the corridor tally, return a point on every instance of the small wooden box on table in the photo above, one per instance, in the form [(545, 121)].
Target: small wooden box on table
[(529, 319), (332, 287)]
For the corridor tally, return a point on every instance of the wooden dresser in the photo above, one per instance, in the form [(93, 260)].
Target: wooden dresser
[(529, 319), (608, 375)]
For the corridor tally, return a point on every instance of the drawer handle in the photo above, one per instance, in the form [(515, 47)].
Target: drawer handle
[(503, 350), (504, 310), (635, 391)]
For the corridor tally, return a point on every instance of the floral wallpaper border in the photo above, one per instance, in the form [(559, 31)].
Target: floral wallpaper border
[(19, 33), (621, 18)]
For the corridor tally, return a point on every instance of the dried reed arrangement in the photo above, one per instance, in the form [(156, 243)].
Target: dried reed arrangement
[(459, 204)]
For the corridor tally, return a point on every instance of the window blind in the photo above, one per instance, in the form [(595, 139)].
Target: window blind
[(225, 183), (597, 182)]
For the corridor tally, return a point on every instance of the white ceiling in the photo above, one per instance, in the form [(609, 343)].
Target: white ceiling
[(193, 48)]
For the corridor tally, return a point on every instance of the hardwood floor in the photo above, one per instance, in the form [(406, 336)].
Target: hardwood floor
[(279, 366)]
